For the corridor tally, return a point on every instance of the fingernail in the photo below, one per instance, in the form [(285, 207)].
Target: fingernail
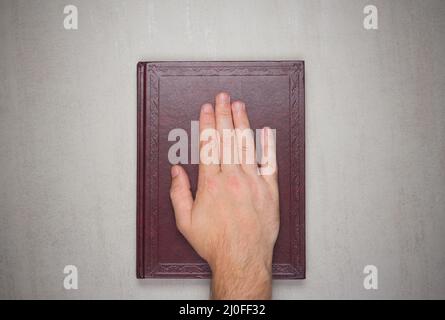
[(174, 172), (222, 98), (238, 106), (207, 108)]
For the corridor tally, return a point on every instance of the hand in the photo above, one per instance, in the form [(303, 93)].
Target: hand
[(234, 220)]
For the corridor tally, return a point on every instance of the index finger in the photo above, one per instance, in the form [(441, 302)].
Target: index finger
[(208, 142)]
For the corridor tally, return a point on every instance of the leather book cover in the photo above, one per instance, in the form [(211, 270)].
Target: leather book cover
[(169, 96)]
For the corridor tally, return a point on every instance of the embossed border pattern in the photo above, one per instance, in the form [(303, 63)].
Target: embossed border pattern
[(149, 75)]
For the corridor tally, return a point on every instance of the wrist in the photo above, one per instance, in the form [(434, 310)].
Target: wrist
[(247, 279)]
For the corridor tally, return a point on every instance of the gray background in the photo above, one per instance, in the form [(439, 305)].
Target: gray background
[(375, 139)]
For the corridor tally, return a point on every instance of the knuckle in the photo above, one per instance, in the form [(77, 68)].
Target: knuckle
[(222, 111), (237, 184), (245, 148), (211, 184)]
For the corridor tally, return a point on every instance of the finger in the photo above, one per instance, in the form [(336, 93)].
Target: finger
[(182, 199), (224, 126), (209, 145), (268, 162), (244, 137)]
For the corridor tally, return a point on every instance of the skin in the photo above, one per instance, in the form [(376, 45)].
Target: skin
[(233, 221)]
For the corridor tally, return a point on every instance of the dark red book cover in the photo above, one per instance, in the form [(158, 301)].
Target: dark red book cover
[(169, 96)]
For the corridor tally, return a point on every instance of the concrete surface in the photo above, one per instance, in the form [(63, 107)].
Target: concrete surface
[(375, 139)]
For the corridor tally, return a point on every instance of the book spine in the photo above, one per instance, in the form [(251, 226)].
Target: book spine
[(140, 174)]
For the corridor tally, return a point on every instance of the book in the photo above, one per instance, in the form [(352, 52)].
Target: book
[(169, 96)]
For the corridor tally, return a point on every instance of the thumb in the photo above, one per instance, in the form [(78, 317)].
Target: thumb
[(181, 197)]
